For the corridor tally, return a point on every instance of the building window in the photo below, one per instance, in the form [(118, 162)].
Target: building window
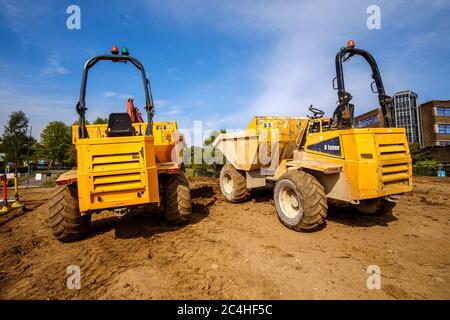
[(443, 143), (370, 121), (443, 112), (444, 128), (406, 114)]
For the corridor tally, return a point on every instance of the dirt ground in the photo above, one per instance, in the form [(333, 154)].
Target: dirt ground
[(234, 251)]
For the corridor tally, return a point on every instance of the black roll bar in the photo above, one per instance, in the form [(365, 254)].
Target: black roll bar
[(81, 105), (344, 97)]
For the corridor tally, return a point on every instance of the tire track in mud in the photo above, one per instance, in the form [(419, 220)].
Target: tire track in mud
[(104, 261), (234, 251)]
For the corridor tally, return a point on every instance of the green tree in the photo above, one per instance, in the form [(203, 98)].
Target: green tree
[(55, 141), (1, 156), (71, 156), (71, 153), (208, 141), (216, 154), (101, 120), (423, 162), (77, 122), (418, 154), (196, 153), (15, 140)]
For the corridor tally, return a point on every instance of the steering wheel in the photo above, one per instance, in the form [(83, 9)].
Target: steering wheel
[(317, 113)]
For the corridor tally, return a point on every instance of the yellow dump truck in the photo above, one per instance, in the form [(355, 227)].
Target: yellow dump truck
[(313, 161), (121, 166), (123, 171)]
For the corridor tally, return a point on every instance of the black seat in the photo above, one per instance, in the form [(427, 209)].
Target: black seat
[(119, 125)]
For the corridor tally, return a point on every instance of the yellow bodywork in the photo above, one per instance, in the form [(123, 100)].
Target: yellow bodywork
[(374, 162), (123, 171), (254, 147), (360, 163)]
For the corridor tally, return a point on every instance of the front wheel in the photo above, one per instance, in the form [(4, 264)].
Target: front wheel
[(233, 184), (300, 201), (177, 198), (64, 218)]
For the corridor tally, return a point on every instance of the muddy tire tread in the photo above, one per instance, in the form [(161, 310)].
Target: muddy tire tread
[(240, 191), (314, 200), (64, 218), (177, 195)]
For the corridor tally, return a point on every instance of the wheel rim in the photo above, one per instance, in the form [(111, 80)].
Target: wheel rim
[(227, 183), (290, 203)]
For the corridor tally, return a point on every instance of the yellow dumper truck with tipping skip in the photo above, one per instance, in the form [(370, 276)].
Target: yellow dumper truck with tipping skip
[(124, 165), (315, 160)]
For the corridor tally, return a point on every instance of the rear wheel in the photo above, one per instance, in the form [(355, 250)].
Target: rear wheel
[(375, 207), (177, 198), (300, 201), (64, 217), (233, 184)]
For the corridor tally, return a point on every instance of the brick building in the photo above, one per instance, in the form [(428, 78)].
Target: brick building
[(435, 123), (405, 114), (371, 119), (427, 124)]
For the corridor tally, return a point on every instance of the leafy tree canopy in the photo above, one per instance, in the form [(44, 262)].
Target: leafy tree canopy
[(15, 142), (55, 141), (101, 120), (208, 141), (419, 155)]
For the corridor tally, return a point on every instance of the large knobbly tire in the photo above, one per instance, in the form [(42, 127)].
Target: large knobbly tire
[(375, 207), (233, 184), (64, 217), (300, 201), (177, 198)]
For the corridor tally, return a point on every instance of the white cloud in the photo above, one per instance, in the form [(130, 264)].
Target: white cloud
[(166, 108), (161, 102), (109, 94), (171, 111), (55, 67), (40, 109), (297, 68), (294, 69), (113, 94), (12, 10), (22, 17)]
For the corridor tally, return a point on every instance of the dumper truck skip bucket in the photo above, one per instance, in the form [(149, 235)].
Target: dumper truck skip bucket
[(255, 147)]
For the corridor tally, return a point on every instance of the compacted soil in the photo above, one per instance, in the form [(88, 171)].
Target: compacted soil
[(233, 251)]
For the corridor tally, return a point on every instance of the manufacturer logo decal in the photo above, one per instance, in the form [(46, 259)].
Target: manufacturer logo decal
[(331, 146)]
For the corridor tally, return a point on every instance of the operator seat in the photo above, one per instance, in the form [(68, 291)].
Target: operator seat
[(119, 125)]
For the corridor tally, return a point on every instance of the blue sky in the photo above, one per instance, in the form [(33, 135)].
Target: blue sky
[(220, 62)]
